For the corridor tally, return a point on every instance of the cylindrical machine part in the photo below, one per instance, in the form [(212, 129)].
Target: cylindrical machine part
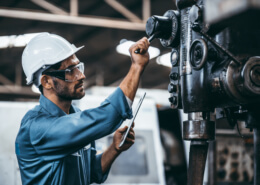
[(212, 167), (197, 161), (195, 116), (198, 130), (256, 156)]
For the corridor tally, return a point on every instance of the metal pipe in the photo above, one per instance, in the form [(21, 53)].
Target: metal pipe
[(212, 169), (197, 161)]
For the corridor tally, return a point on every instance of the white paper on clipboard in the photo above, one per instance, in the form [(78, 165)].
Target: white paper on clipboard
[(131, 121)]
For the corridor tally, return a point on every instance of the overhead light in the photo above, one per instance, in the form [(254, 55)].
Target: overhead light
[(123, 48), (16, 40), (164, 60)]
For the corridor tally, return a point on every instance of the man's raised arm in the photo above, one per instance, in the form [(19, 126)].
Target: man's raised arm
[(139, 61)]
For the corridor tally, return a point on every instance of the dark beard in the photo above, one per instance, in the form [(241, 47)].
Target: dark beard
[(65, 93)]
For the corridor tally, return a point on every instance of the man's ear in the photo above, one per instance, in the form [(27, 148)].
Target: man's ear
[(46, 82)]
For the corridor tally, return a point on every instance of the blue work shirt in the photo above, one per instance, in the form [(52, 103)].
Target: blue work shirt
[(53, 147)]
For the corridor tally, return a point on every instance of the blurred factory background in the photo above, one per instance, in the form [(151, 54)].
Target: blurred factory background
[(100, 25)]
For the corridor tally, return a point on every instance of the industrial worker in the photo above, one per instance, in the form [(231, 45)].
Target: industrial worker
[(55, 143)]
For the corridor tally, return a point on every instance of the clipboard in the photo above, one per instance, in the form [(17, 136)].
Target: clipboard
[(131, 121)]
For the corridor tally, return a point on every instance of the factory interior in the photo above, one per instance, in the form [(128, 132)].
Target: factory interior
[(199, 123)]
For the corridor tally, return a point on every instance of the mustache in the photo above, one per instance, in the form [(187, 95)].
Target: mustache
[(79, 84)]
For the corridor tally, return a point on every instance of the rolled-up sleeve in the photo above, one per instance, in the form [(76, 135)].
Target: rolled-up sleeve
[(97, 175), (54, 137)]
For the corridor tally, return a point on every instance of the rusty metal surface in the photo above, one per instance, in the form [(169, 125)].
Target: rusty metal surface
[(197, 161)]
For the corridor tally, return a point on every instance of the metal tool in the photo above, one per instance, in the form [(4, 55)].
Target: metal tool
[(138, 50), (149, 39)]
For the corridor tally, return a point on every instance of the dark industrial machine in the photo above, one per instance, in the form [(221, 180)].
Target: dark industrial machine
[(215, 57)]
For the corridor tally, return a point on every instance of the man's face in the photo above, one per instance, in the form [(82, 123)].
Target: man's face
[(69, 90)]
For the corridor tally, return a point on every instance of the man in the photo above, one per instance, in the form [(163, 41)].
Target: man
[(55, 143)]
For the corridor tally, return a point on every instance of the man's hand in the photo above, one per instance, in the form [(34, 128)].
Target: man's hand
[(113, 150), (130, 139), (140, 59)]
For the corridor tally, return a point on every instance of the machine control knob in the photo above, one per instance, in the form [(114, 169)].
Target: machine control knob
[(165, 27), (173, 100), (160, 26), (172, 88), (174, 76), (198, 53), (255, 75)]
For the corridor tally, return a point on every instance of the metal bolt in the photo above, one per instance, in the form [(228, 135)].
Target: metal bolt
[(173, 100), (255, 75), (172, 88), (174, 76)]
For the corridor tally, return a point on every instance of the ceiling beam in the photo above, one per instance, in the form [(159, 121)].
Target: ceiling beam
[(146, 10), (88, 21), (74, 7), (50, 7), (123, 10)]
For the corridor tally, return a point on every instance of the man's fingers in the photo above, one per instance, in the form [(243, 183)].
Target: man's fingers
[(129, 140), (131, 134), (122, 130), (142, 45), (146, 42)]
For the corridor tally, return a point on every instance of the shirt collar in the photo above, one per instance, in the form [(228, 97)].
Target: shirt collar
[(52, 108)]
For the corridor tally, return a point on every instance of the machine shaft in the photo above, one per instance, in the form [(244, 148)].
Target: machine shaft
[(197, 161)]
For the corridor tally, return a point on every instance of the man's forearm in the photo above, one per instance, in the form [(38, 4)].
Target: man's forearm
[(108, 158), (130, 83)]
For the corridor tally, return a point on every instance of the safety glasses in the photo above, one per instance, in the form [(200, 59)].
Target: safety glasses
[(70, 74)]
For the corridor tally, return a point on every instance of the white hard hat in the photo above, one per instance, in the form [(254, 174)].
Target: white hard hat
[(44, 50)]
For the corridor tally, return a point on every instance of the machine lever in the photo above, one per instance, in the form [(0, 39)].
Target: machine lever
[(138, 50), (149, 39)]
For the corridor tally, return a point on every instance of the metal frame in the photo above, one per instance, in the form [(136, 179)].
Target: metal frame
[(58, 15)]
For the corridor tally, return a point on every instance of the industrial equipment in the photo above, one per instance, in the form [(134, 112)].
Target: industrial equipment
[(215, 57)]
